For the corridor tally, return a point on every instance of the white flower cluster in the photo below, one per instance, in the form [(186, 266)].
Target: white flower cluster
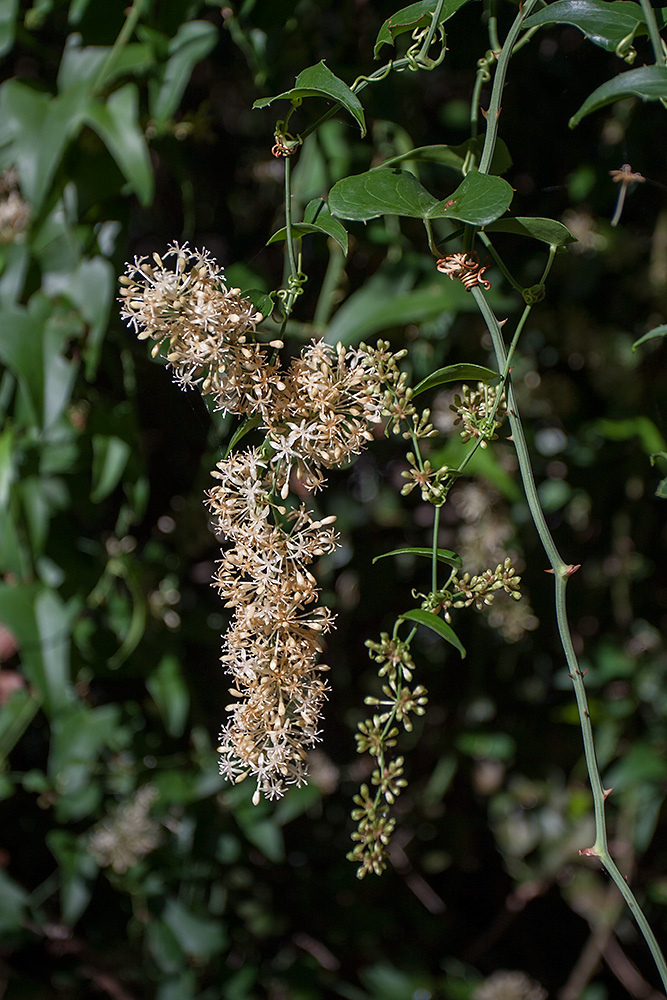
[(316, 414)]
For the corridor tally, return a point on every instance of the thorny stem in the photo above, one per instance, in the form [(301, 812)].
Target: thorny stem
[(498, 83), (562, 571)]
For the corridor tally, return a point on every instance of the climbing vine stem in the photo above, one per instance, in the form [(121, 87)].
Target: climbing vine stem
[(562, 571)]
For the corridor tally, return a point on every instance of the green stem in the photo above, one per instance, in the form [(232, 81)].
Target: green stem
[(500, 263), (288, 217), (431, 29), (124, 35), (498, 83), (434, 557), (562, 572), (653, 33)]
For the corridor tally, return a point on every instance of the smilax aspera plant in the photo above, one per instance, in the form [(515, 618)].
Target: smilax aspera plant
[(314, 408)]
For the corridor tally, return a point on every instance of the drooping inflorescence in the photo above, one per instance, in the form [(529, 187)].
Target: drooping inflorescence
[(315, 415)]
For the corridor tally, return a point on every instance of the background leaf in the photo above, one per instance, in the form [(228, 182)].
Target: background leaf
[(117, 123), (193, 41), (649, 83)]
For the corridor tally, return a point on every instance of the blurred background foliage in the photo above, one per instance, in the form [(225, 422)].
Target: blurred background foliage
[(128, 868)]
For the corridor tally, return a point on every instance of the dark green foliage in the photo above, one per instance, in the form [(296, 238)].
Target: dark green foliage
[(109, 632)]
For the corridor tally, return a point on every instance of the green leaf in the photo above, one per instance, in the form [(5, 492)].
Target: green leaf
[(443, 555), (110, 457), (35, 128), (642, 427), (387, 301), (192, 42), (456, 373), (317, 219), (248, 425), (8, 12), (649, 83), (42, 623), (13, 905), (7, 464), (604, 23), (454, 156), (262, 301), (417, 15), (89, 286), (380, 192), (116, 121), (487, 746), (296, 802), (436, 624), (41, 496), (80, 65), (657, 331), (479, 200), (15, 716), (198, 936), (133, 631), (319, 81), (164, 947), (77, 869), (547, 230), (661, 489), (170, 693), (78, 735)]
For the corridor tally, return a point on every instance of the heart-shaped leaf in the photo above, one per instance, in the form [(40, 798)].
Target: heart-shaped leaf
[(649, 83), (455, 373), (319, 81), (478, 200), (380, 192), (436, 624), (547, 230)]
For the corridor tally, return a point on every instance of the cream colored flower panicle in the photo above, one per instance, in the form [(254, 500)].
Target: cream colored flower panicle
[(322, 414), (271, 647), (181, 298), (316, 415)]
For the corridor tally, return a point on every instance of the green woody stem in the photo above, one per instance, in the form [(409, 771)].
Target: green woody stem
[(562, 572)]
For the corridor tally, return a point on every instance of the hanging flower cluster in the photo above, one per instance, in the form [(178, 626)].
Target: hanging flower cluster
[(317, 414)]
